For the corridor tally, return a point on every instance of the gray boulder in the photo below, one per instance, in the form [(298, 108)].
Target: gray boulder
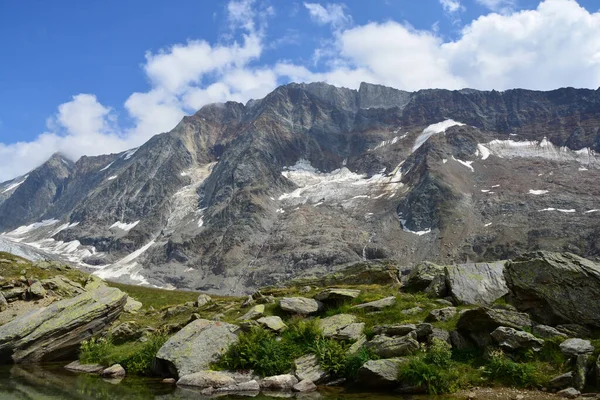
[(255, 312), (561, 381), (125, 332), (307, 368), (574, 330), (395, 329), (54, 332), (397, 346), (556, 288), (440, 334), (132, 305), (305, 386), (273, 323), (412, 311), (203, 300), (195, 347), (421, 276), (441, 314), (575, 347), (377, 305), (546, 332), (341, 327), (248, 388), (300, 305), (337, 295), (423, 331), (569, 393), (380, 373), (62, 286), (114, 371), (279, 382), (511, 339), (206, 379), (3, 303), (478, 323), (37, 291), (476, 283), (76, 366)]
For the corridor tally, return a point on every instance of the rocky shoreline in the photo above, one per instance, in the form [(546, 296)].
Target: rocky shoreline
[(530, 322)]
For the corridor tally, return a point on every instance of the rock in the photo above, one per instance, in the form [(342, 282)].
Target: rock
[(440, 334), (341, 327), (76, 366), (511, 339), (195, 347), (300, 305), (273, 323), (115, 371), (377, 305), (441, 314), (255, 312), (124, 332), (412, 311), (437, 287), (305, 289), (424, 331), (305, 386), (421, 276), (357, 345), (307, 368), (334, 295), (206, 379), (279, 382), (3, 302), (132, 305), (575, 347), (458, 341), (546, 332), (56, 331), (248, 302), (561, 381), (556, 288), (581, 371), (251, 386), (476, 283), (93, 282), (63, 287), (574, 330), (380, 373), (444, 302), (478, 323), (15, 293), (173, 311), (395, 330), (170, 381), (569, 393), (37, 291), (203, 300), (397, 346)]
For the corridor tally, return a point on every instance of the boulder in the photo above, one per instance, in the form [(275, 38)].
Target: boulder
[(249, 388), (93, 282), (441, 314), (76, 366), (55, 332), (412, 311), (555, 287), (575, 347), (424, 331), (397, 346), (357, 345), (476, 283), (15, 293), (279, 382), (62, 286), (305, 386), (440, 334), (132, 305), (478, 323), (195, 347), (377, 305), (341, 327), (255, 312), (380, 373), (3, 303), (458, 341), (421, 276), (437, 287), (125, 332), (574, 330), (114, 371), (37, 291), (334, 295), (569, 393), (206, 379), (300, 305), (561, 381), (547, 332), (581, 371), (307, 368), (395, 329), (273, 323), (511, 339), (203, 300)]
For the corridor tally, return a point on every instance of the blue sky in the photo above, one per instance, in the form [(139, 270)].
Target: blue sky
[(97, 77)]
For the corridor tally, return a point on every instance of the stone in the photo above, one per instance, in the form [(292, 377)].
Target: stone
[(377, 305), (3, 302), (305, 386), (547, 332), (76, 366), (444, 302), (458, 341), (274, 323), (575, 347), (478, 323), (63, 287), (37, 291), (337, 295), (581, 371), (569, 393), (305, 289), (421, 276), (203, 300), (170, 381), (478, 284), (574, 330), (423, 331), (380, 373), (307, 368), (441, 314), (248, 387), (55, 331), (173, 311), (437, 288), (510, 339), (15, 293), (206, 379), (132, 305), (397, 346), (395, 329), (440, 334), (300, 305), (248, 302), (357, 345), (412, 311), (561, 381), (555, 288), (93, 282), (279, 382), (195, 347), (255, 312), (125, 332), (341, 327), (114, 371)]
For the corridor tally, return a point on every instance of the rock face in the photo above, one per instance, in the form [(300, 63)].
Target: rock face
[(476, 283), (195, 347), (300, 305), (55, 332), (477, 324), (511, 339), (556, 288)]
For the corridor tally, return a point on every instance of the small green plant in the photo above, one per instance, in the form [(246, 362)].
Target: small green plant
[(331, 355), (140, 362), (357, 360), (433, 378), (503, 370), (303, 333), (94, 350), (439, 353)]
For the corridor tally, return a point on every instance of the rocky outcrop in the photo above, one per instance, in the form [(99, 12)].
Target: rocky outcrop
[(476, 283), (55, 332), (576, 347), (556, 288), (477, 324), (195, 347), (422, 275)]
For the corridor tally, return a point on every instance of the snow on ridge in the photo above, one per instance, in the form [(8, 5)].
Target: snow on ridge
[(129, 153), (569, 211), (107, 167), (388, 142), (537, 192), (431, 130), (124, 226), (64, 227), (23, 230), (15, 185), (465, 163), (112, 177), (126, 266), (591, 211), (483, 151)]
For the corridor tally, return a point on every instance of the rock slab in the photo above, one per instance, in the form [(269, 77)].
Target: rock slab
[(476, 283)]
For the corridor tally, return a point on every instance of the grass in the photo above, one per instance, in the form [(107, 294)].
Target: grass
[(11, 267)]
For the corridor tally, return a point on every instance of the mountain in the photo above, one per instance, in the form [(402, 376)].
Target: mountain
[(314, 177)]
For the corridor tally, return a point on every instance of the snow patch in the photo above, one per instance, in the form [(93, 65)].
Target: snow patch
[(570, 211), (386, 143), (488, 224), (465, 163), (591, 211), (64, 227), (537, 192), (15, 185), (107, 167), (583, 169), (484, 152), (129, 153), (434, 129), (112, 177), (127, 266), (124, 226)]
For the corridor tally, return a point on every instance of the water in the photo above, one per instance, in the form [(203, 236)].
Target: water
[(51, 382)]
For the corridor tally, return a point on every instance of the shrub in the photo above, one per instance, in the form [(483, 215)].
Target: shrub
[(507, 372), (357, 360), (433, 378), (94, 351), (439, 353), (303, 333), (140, 363), (331, 355)]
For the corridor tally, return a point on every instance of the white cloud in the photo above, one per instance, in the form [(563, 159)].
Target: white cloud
[(502, 6), (452, 6), (333, 14)]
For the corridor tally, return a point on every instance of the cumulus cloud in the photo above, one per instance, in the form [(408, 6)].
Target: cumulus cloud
[(452, 6), (333, 14), (503, 6)]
